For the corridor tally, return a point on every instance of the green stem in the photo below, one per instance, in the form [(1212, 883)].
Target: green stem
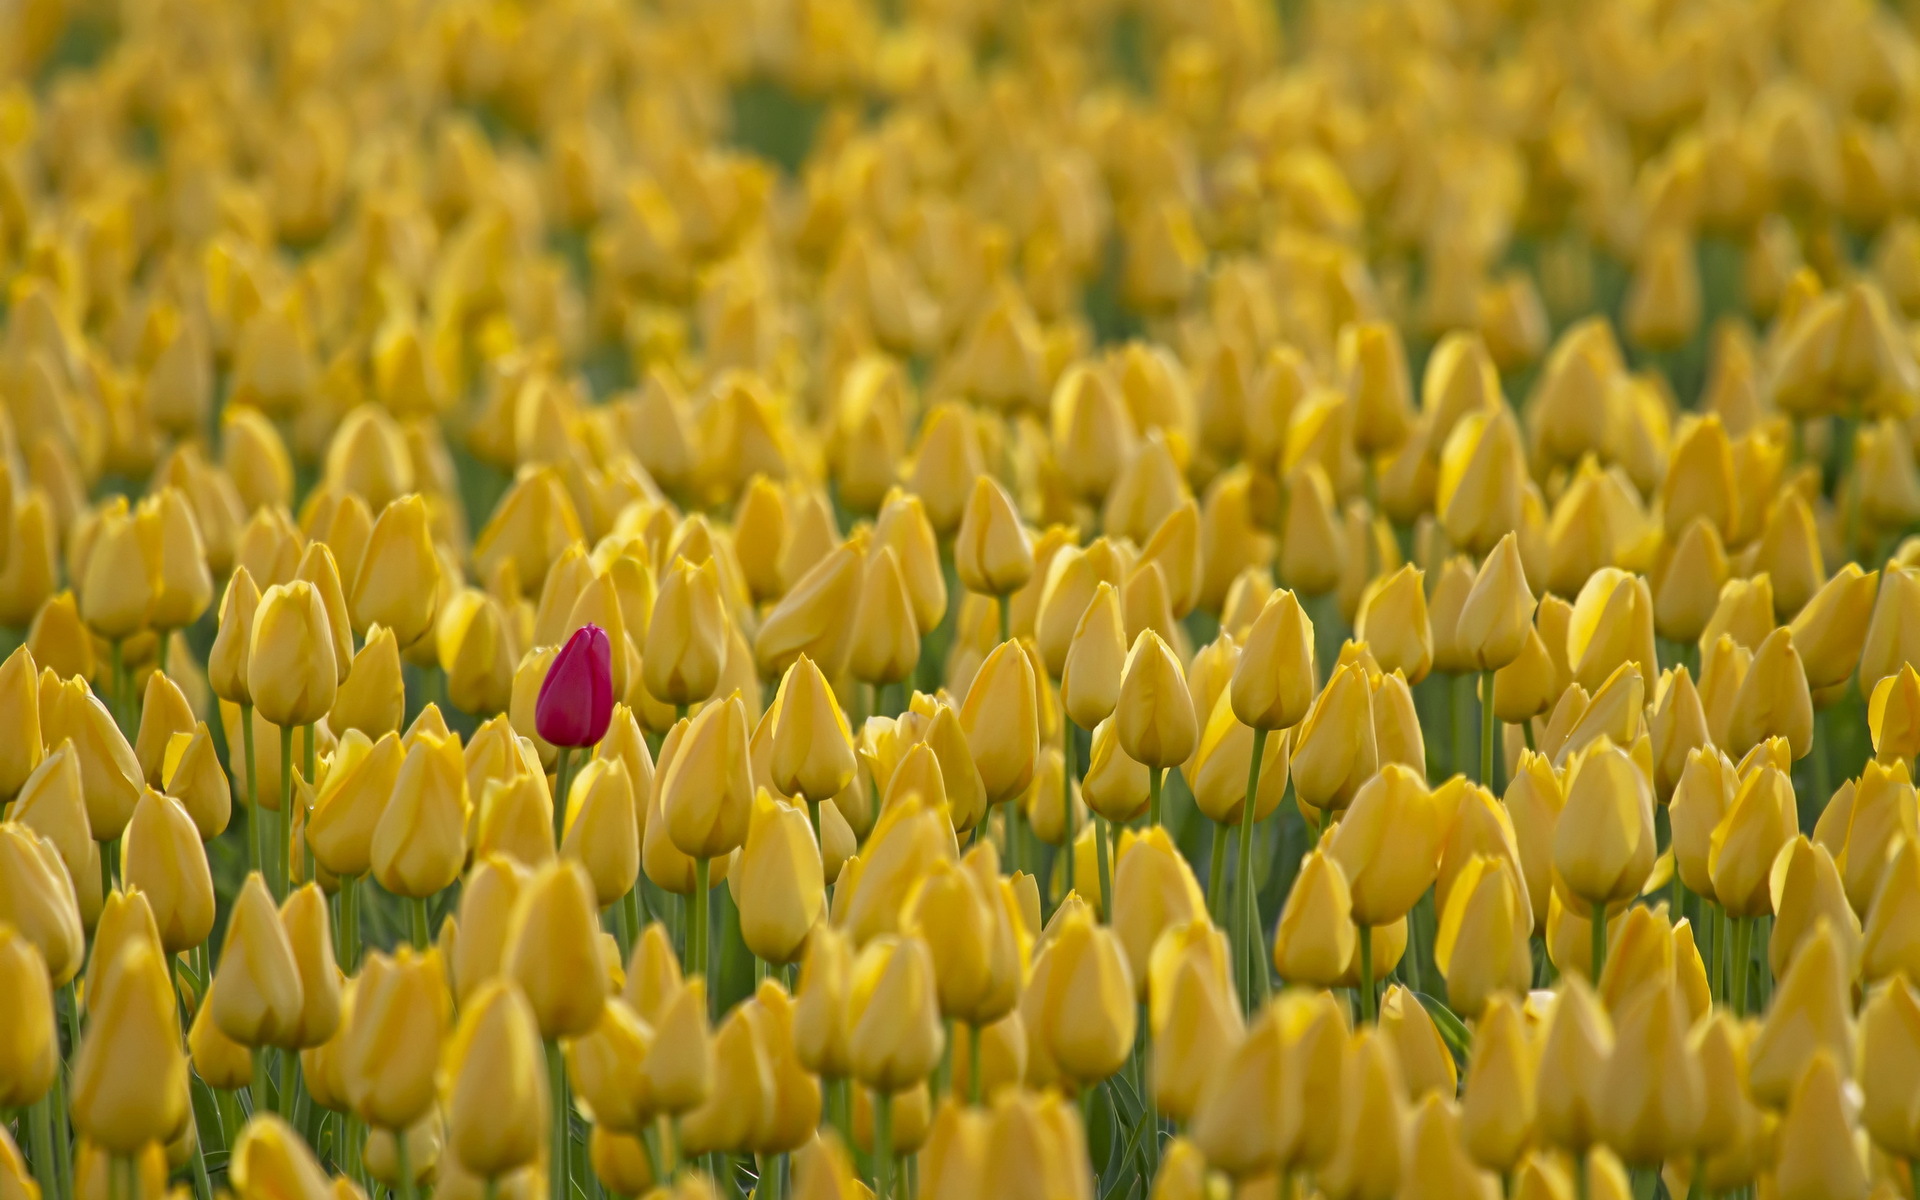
[(40, 1131), (284, 1106), (559, 1166), (813, 813), (1100, 824), (256, 845), (882, 1145), (1742, 951), (1217, 874), (1155, 778), (286, 813), (1599, 947), (261, 1094), (562, 776), (1486, 729), (1366, 975), (630, 909), (697, 934), (1006, 618), (1066, 791), (1249, 907), (417, 914), (407, 1188), (160, 651), (973, 1064)]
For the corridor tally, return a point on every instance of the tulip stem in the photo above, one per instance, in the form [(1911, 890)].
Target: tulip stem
[(1742, 949), (1486, 729), (1366, 974), (973, 1064), (1066, 792), (286, 812), (288, 1061), (40, 1130), (1006, 617), (1249, 908), (1217, 874), (407, 1189), (697, 928), (1599, 927), (262, 1095), (417, 913), (1155, 777), (559, 1181), (256, 856), (882, 1145), (563, 770), (1100, 824)]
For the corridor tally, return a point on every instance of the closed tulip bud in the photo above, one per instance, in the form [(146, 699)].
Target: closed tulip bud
[(1612, 623), (1482, 469), (1829, 632), (1812, 1010), (474, 649), (1816, 1154), (191, 774), (814, 617), (59, 642), (117, 580), (1773, 699), (1273, 680), (1689, 586), (1426, 1065), (553, 953), (1035, 1149), (1437, 1158), (1603, 842), (310, 933), (812, 746), (1217, 774), (706, 794), (1574, 1050), (20, 710), (270, 1158), (602, 830), (1334, 751), (37, 899), (1482, 947), (1079, 1005), (1759, 822), (392, 1040), (52, 805), (290, 662), (1889, 1048), (1115, 786), (164, 712), (398, 580), (778, 882), (1001, 722), (1679, 727), (130, 1074), (1388, 844), (820, 1028), (886, 638), (1893, 715), (1314, 941), (992, 551), (1393, 623), (894, 1037), (1700, 799), (1154, 716), (352, 802), (1807, 892), (1237, 1124), (1095, 660), (109, 772), (372, 698), (29, 1053), (419, 842), (1073, 578), (1195, 1019), (959, 775), (604, 1066), (1892, 939), (1368, 1162), (162, 856), (1651, 1091), (1868, 829), (575, 703), (1153, 890), (1542, 1177), (903, 526), (1497, 1104), (1496, 619), (685, 643), (258, 996), (678, 1072), (226, 1065)]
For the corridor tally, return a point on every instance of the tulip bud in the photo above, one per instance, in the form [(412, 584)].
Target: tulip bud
[(1388, 844), (494, 1091), (812, 746), (602, 830), (1482, 947), (992, 552), (1497, 1105), (29, 1053), (1238, 1122), (886, 638), (1688, 590), (1079, 1005), (163, 712), (1095, 660), (1756, 825), (1314, 941), (258, 995), (130, 1074), (1334, 750), (392, 1040), (1889, 1044), (37, 899), (706, 793), (397, 584), (821, 1028), (1811, 1012), (310, 934), (1603, 843), (109, 772), (1816, 1154), (778, 882), (1218, 773), (552, 950), (1893, 715), (290, 663), (814, 617), (1368, 1162), (1575, 1047), (894, 1037), (372, 698), (162, 856), (1497, 615), (419, 840)]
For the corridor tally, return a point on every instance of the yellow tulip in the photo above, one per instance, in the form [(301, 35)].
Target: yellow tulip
[(130, 1073), (778, 883)]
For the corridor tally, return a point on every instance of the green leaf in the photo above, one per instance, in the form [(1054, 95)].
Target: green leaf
[(1453, 1031)]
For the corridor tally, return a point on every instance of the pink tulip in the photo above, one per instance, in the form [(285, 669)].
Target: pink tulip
[(576, 698)]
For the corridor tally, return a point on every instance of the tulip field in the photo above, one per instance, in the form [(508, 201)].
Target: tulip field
[(959, 599)]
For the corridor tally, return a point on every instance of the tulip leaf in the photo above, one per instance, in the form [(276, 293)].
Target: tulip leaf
[(1453, 1031)]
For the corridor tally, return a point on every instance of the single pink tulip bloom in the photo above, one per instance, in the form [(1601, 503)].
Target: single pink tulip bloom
[(576, 698)]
